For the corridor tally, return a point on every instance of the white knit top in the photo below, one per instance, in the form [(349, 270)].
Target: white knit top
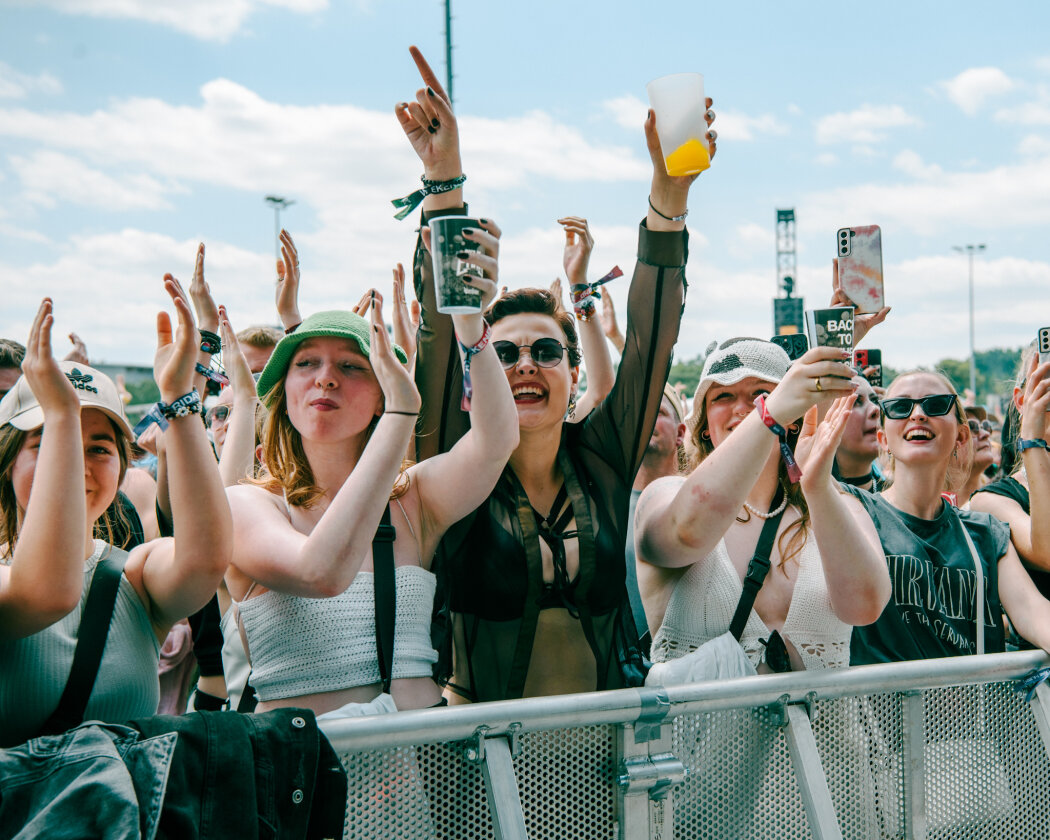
[(702, 604), (304, 646)]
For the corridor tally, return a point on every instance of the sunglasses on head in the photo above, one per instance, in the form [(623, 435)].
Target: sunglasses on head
[(217, 414), (935, 405), (545, 352)]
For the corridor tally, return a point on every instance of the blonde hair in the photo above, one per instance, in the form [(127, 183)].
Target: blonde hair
[(793, 540), (287, 470), (957, 473)]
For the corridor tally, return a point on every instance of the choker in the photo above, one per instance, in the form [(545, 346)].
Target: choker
[(859, 480)]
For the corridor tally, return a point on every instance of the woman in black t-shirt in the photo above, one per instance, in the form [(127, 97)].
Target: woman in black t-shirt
[(1021, 497), (932, 566)]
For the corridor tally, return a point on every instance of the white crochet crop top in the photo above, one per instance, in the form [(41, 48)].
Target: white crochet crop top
[(702, 604), (302, 646)]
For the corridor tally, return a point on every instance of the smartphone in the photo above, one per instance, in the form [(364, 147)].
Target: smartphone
[(859, 251), (794, 345), (830, 327), (864, 359), (1044, 345)]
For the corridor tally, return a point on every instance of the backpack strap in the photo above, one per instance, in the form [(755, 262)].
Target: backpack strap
[(756, 569), (385, 596), (91, 643)]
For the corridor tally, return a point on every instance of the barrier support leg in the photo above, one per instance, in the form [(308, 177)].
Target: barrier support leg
[(1040, 705), (810, 774), (495, 755), (913, 765)]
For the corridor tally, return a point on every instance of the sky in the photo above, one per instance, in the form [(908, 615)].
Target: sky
[(131, 130)]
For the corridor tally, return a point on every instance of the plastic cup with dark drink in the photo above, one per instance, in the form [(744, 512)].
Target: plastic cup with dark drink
[(446, 241)]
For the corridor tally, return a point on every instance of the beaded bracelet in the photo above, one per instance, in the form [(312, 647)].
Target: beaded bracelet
[(468, 353), (411, 201), (585, 295), (793, 470)]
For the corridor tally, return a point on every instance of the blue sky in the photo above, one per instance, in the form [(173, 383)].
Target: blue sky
[(130, 130)]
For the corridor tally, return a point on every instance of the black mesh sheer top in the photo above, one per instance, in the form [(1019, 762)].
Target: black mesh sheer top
[(489, 563)]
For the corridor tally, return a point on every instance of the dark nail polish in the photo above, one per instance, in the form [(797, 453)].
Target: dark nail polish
[(484, 221), (430, 90), (462, 255), (431, 129), (435, 123), (469, 230)]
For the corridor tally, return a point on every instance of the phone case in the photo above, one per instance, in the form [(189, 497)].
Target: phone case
[(859, 251), (830, 327), (866, 360), (795, 344), (1044, 345)]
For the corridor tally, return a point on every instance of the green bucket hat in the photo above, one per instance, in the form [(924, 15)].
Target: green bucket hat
[(335, 323)]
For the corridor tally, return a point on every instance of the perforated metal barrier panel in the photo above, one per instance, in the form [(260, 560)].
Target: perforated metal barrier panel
[(959, 762)]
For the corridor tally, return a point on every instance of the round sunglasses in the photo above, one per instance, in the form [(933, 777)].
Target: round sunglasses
[(977, 425), (217, 414), (935, 405), (545, 352)]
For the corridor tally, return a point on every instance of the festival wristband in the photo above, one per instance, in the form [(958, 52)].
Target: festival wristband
[(184, 406), (584, 295), (411, 201), (1030, 443), (210, 342), (468, 353), (214, 375), (149, 418), (793, 470)]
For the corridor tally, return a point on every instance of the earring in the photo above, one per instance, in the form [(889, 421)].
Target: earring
[(705, 434), (570, 411)]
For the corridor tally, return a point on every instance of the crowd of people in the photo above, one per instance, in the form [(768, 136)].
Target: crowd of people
[(371, 520)]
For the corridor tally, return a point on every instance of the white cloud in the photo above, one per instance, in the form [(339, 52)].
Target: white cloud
[(16, 85), (827, 159), (1034, 145), (910, 163), (865, 125), (971, 88), (49, 177), (1036, 112), (627, 110), (210, 20), (750, 239)]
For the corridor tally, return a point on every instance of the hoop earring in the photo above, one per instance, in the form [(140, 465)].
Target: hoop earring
[(705, 434)]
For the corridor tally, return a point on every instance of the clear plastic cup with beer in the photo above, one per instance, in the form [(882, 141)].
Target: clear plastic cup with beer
[(679, 103)]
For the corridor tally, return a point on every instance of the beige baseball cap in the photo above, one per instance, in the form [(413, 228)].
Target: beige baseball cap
[(20, 407)]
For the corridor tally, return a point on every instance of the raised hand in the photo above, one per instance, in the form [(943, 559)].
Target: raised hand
[(233, 360), (557, 290), (200, 294), (820, 441), (1034, 417), (286, 296), (578, 246), (430, 125), (399, 389), (861, 323), (79, 352), (486, 258), (668, 193), (610, 326), (176, 356), (818, 377), (45, 378), (404, 329)]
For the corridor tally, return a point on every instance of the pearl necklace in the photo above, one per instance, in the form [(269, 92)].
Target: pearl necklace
[(779, 509)]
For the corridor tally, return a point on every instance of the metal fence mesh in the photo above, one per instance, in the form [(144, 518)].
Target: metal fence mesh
[(987, 775)]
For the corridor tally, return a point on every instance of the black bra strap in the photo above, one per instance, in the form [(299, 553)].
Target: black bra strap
[(385, 596), (91, 643), (756, 570)]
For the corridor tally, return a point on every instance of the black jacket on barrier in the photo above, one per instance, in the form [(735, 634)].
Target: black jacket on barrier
[(203, 775)]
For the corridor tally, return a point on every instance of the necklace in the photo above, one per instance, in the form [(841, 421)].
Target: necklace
[(779, 509)]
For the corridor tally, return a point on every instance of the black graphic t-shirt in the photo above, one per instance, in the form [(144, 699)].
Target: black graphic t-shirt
[(932, 610)]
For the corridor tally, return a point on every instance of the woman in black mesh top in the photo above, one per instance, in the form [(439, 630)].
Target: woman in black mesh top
[(534, 578)]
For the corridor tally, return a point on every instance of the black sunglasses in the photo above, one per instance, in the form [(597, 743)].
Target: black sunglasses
[(545, 352), (935, 405), (218, 413)]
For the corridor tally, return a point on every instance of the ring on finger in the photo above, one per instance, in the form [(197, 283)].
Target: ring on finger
[(819, 389)]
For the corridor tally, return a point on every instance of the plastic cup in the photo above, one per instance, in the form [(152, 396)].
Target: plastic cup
[(679, 104), (446, 240)]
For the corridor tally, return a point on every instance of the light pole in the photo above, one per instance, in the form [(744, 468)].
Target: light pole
[(969, 250), (280, 204)]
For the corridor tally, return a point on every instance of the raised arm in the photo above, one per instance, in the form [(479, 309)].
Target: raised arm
[(680, 521), (433, 132), (180, 575), (238, 450), (1035, 424), (286, 296), (45, 577), (624, 422), (600, 372), (850, 550), (326, 561)]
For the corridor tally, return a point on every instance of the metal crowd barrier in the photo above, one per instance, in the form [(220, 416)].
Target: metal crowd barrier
[(946, 748)]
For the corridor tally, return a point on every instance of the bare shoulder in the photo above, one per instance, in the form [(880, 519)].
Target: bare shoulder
[(998, 506), (251, 497), (661, 490)]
